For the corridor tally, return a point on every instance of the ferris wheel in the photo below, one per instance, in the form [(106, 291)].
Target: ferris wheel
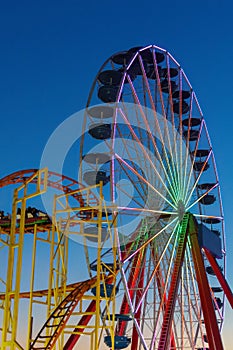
[(149, 146)]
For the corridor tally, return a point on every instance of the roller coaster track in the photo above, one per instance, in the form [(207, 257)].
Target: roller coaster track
[(58, 319), (55, 180), (41, 293)]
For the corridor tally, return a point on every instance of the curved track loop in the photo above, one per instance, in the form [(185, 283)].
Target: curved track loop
[(55, 180), (60, 316)]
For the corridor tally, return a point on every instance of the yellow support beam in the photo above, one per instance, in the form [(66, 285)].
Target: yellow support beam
[(15, 258), (67, 220)]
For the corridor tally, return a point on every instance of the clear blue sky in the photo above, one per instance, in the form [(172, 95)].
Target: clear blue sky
[(52, 50)]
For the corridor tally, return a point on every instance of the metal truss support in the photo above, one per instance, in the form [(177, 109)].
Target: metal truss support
[(15, 259), (165, 337)]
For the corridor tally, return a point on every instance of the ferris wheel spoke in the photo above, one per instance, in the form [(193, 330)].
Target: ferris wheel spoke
[(175, 157), (127, 149), (127, 293), (180, 158), (130, 197), (174, 132), (155, 269), (196, 147), (196, 182), (202, 216), (192, 167), (142, 194), (161, 306), (147, 157), (139, 185), (174, 149), (136, 269), (144, 81), (176, 167), (186, 153), (145, 181), (199, 199), (161, 214), (172, 163), (161, 137), (150, 239)]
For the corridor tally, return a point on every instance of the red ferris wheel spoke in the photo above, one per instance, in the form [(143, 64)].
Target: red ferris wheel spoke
[(80, 328)]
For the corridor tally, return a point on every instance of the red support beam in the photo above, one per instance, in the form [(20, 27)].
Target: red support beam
[(225, 286), (211, 324), (85, 319)]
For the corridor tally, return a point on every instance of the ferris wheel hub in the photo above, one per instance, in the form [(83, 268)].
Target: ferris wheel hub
[(181, 209)]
